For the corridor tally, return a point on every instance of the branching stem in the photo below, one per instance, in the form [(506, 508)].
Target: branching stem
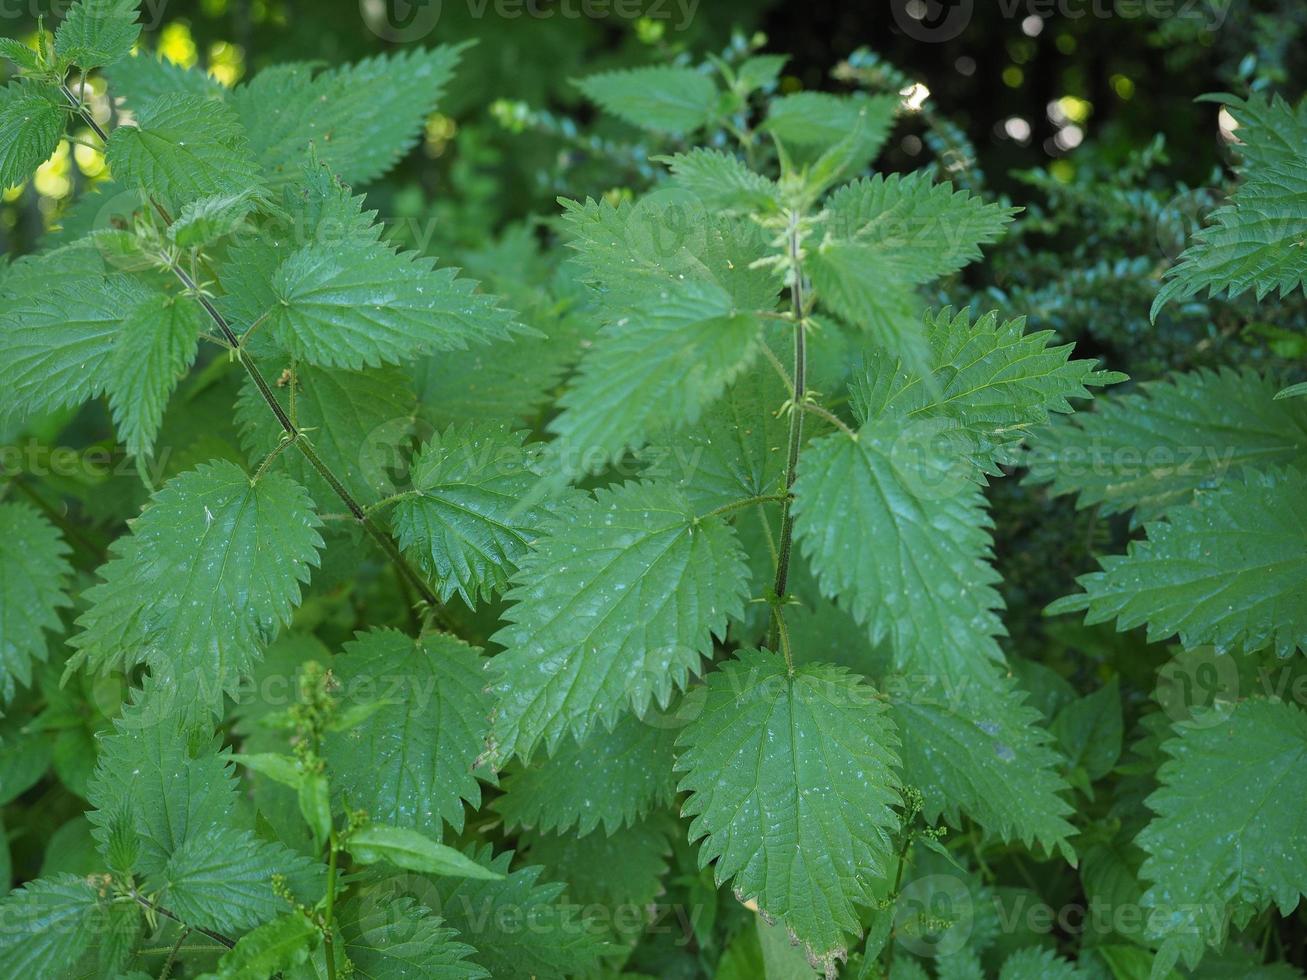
[(80, 107), (217, 937), (292, 432)]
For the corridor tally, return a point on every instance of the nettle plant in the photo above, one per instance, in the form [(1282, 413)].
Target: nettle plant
[(1211, 466), (737, 588)]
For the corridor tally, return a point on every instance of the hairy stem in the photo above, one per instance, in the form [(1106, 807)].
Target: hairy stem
[(145, 903), (166, 972), (330, 953), (735, 505), (82, 111), (800, 391), (302, 443), (382, 539), (829, 416), (904, 845)]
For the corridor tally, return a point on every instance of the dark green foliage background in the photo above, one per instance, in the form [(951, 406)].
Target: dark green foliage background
[(1083, 259)]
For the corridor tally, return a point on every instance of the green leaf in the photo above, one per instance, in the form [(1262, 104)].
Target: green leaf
[(410, 763), (662, 99), (273, 947), (148, 75), (25, 751), (281, 768), (57, 337), (1229, 570), (668, 240), (1089, 730), (621, 871), (205, 221), (358, 302), (1037, 963), (971, 744), (32, 121), (760, 71), (504, 381), (22, 55), (183, 148), (356, 420), (96, 33), (742, 959), (212, 568), (928, 586), (613, 607), (723, 182), (809, 124), (365, 116), (466, 525), (782, 958), (319, 210), (792, 781), (989, 379), (314, 798), (518, 926), (1222, 843), (34, 573), (612, 777), (865, 289), (156, 344), (1150, 451), (389, 936), (1256, 241), (118, 935), (661, 368), (158, 783), (223, 879), (737, 450), (408, 849), (46, 925), (924, 229)]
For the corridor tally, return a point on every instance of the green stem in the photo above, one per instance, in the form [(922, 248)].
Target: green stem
[(904, 845), (166, 972), (386, 544), (331, 906), (268, 460), (796, 429), (735, 505), (217, 937), (82, 111), (394, 498), (829, 416)]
